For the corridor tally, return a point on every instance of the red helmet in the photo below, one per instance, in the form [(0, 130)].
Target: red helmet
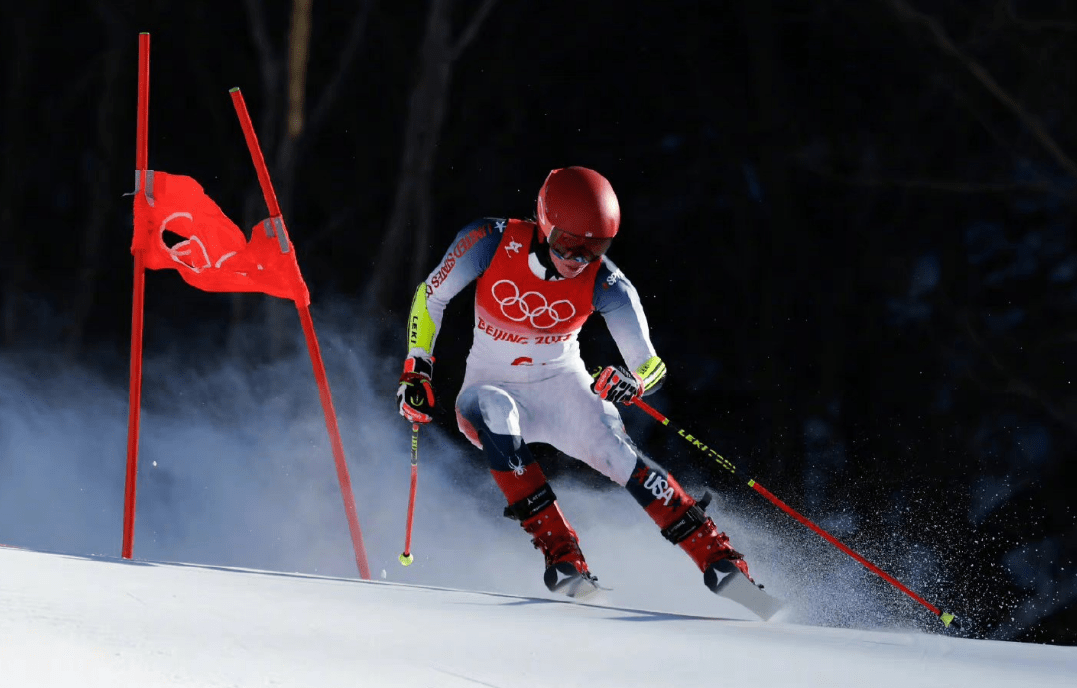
[(578, 212)]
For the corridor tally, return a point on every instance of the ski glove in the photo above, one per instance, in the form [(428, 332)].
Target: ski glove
[(415, 395), (618, 384)]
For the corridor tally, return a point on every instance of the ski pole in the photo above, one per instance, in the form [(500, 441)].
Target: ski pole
[(406, 558), (946, 617)]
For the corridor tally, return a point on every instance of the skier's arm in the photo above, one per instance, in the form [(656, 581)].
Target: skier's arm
[(422, 327), (618, 302), (467, 258)]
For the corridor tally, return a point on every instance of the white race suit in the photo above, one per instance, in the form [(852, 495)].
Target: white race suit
[(525, 377)]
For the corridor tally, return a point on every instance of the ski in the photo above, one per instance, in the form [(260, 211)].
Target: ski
[(726, 580), (565, 579)]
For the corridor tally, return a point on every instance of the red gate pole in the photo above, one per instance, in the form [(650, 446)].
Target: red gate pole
[(312, 343), (137, 301)]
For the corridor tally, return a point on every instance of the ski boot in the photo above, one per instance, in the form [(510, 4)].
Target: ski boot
[(710, 549), (725, 572), (566, 569), (533, 503), (683, 521)]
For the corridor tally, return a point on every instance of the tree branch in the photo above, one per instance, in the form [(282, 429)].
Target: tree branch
[(298, 57), (472, 29), (907, 13), (939, 185), (260, 36), (1038, 24), (344, 63), (1015, 384)]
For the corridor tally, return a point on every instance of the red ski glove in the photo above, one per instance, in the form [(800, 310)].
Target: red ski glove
[(415, 395), (618, 384)]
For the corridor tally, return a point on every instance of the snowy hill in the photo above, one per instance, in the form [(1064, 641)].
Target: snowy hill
[(236, 472), (97, 621)]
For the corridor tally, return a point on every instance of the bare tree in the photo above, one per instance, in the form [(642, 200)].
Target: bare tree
[(909, 14), (410, 220), (99, 183), (282, 145), (22, 23)]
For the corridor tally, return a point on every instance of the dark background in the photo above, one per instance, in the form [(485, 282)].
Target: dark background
[(850, 224)]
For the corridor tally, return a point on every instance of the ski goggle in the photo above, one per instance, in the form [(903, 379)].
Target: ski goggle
[(580, 249)]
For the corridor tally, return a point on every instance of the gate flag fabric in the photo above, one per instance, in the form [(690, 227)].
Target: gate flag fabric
[(179, 227)]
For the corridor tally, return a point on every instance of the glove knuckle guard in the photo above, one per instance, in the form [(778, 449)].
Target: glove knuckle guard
[(415, 395)]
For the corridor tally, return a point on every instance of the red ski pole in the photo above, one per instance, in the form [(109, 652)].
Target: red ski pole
[(406, 558), (946, 617)]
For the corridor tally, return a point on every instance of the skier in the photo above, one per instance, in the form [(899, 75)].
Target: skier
[(537, 282)]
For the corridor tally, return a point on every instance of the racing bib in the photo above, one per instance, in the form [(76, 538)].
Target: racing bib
[(513, 304)]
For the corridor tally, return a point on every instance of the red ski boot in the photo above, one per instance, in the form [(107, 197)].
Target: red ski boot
[(533, 503), (708, 547), (566, 569), (683, 521)]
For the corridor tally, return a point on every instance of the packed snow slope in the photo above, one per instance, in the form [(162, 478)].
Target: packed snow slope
[(97, 621)]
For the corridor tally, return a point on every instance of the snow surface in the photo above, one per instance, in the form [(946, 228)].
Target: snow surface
[(98, 621), (236, 474)]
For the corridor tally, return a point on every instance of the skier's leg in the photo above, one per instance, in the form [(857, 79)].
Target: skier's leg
[(492, 417), (683, 521), (592, 431), (572, 418)]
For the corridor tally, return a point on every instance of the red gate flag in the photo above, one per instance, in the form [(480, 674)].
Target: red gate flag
[(213, 255)]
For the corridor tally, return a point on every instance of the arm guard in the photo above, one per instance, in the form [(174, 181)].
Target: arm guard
[(421, 327)]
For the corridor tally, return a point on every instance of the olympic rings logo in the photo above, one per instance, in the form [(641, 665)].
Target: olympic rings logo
[(531, 306)]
